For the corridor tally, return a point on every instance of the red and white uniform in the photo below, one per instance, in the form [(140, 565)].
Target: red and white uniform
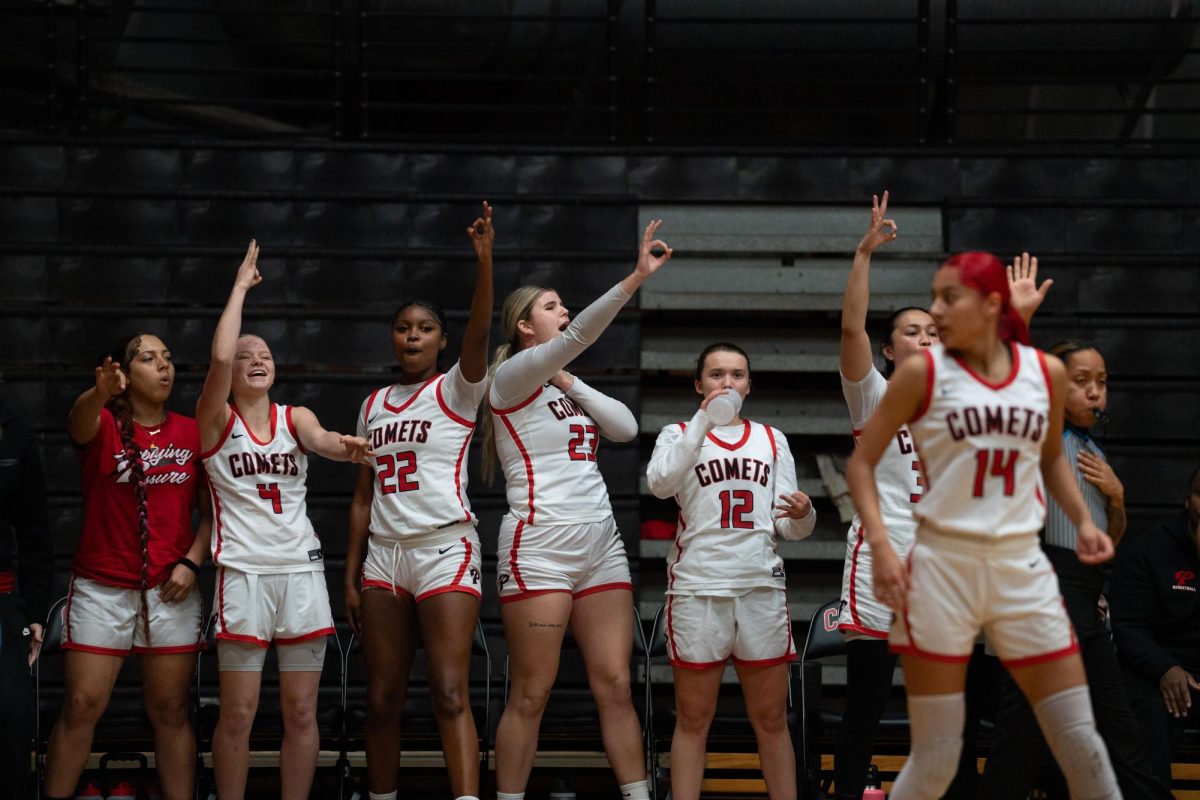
[(977, 563), (423, 540), (558, 534), (726, 586), (102, 614), (899, 483), (261, 527)]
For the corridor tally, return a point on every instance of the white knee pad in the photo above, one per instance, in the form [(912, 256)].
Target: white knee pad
[(1070, 730), (936, 723)]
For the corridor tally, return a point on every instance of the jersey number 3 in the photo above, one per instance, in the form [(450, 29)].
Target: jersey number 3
[(1003, 465), (401, 466)]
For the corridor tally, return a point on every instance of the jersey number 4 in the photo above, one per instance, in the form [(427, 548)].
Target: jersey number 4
[(270, 491), (400, 466), (1003, 465), (737, 508), (584, 441)]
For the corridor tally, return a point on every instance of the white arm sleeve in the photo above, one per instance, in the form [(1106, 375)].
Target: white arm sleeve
[(862, 397), (524, 372), (785, 483), (613, 417), (675, 454)]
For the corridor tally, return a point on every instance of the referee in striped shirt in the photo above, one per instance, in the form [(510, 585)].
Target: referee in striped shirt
[(1019, 748)]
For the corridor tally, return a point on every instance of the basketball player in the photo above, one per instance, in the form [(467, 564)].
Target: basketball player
[(726, 596), (133, 586), (412, 522), (270, 578), (560, 558), (985, 414)]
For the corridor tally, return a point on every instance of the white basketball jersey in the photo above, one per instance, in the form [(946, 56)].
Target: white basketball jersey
[(547, 446), (260, 516), (981, 445), (725, 538), (420, 463), (898, 477)]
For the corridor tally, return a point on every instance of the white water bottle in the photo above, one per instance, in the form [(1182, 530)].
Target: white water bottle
[(724, 407)]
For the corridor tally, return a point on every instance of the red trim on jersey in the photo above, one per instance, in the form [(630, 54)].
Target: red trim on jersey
[(678, 546), (327, 631), (865, 631), (274, 415), (1029, 661), (409, 401), (518, 406), (87, 648), (371, 583), (771, 436), (217, 524), (1046, 374), (603, 587), (528, 469), (458, 490), (1012, 375), (220, 441), (1037, 493), (367, 407), (287, 415), (466, 562), (738, 443), (461, 588), (513, 598), (171, 649), (437, 391), (929, 362), (512, 557), (853, 596), (8, 581), (765, 662)]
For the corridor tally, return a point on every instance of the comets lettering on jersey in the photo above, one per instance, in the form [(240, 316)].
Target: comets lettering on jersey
[(718, 470), (565, 407), (1024, 423), (408, 430), (253, 464)]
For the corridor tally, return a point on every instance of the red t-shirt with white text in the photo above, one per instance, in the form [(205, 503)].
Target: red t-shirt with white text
[(110, 549)]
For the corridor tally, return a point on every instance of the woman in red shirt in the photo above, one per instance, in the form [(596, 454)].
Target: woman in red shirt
[(133, 586)]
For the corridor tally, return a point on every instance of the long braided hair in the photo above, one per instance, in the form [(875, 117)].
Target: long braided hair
[(123, 352)]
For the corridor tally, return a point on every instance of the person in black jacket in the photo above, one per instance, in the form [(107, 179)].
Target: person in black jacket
[(26, 564), (1155, 604)]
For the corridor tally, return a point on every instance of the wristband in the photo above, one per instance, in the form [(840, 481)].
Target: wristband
[(192, 565)]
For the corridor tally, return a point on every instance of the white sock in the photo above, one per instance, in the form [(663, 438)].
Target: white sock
[(467, 797), (388, 796), (510, 796), (1070, 729), (638, 790)]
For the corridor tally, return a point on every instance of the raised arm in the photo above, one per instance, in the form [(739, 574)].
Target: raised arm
[(329, 444), (522, 374), (473, 357), (1025, 296), (855, 358), (1092, 545), (83, 422), (900, 405), (212, 409)]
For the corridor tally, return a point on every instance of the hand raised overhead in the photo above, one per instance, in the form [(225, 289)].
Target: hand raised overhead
[(482, 235), (248, 274), (648, 263), (1024, 293), (881, 230)]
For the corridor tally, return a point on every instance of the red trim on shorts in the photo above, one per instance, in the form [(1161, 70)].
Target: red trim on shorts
[(603, 587), (238, 637), (66, 612), (853, 595), (204, 454), (461, 588), (771, 436), (437, 391), (409, 401), (512, 598), (371, 583), (671, 633), (518, 406), (100, 651), (528, 463), (274, 421), (1012, 375), (512, 559), (929, 362), (370, 402), (291, 426), (738, 443), (1046, 374), (328, 631), (910, 650), (696, 665), (466, 562), (874, 634), (765, 662), (173, 649), (1029, 661)]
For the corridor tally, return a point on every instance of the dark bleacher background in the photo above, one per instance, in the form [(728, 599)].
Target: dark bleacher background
[(142, 144)]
